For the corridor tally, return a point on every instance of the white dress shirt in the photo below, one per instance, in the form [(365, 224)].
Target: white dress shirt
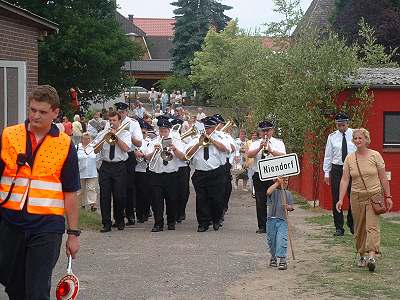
[(141, 166), (231, 154), (275, 145), (86, 162), (216, 158), (173, 165), (119, 155), (333, 150)]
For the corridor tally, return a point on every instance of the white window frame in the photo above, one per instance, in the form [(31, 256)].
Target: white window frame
[(21, 66)]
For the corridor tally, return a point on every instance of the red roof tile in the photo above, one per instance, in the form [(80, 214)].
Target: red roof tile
[(156, 26)]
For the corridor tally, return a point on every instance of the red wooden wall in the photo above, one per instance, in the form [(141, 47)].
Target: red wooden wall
[(386, 100)]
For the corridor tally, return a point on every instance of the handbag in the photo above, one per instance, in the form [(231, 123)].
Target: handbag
[(377, 200)]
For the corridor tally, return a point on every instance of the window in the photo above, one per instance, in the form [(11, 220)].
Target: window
[(12, 93), (391, 129)]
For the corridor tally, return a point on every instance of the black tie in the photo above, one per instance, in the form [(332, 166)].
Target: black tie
[(344, 147), (206, 153), (112, 152), (165, 162)]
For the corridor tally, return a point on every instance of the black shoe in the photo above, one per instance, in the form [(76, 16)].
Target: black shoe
[(171, 226), (121, 226), (114, 225), (131, 221), (202, 228), (216, 226), (339, 232), (261, 230), (157, 229), (105, 229), (140, 220)]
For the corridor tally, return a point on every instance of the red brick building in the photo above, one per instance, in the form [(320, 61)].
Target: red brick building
[(20, 33), (384, 126)]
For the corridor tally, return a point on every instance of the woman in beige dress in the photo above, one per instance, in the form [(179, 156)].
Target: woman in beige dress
[(366, 222)]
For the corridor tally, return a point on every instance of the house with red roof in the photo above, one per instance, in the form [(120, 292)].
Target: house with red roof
[(155, 35)]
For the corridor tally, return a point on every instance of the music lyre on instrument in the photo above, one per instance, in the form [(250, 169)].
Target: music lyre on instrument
[(164, 152), (68, 287)]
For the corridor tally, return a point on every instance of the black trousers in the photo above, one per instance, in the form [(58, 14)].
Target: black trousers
[(112, 181), (142, 195), (183, 189), (209, 187), (261, 188), (27, 261), (228, 185), (336, 176), (163, 187), (130, 186)]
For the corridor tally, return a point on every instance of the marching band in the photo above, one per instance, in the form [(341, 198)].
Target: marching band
[(144, 172)]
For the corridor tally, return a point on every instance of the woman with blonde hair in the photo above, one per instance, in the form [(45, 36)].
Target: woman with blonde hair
[(367, 170), (76, 130)]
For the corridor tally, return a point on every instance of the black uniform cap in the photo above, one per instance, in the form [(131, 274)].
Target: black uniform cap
[(121, 106), (163, 123), (209, 122), (219, 118), (175, 121), (341, 118), (265, 125)]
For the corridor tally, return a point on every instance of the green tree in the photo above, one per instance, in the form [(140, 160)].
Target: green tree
[(87, 52), (175, 82), (193, 20)]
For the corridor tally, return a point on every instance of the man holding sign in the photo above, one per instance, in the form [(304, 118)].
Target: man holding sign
[(266, 146)]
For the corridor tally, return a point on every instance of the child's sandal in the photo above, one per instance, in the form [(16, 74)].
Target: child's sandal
[(273, 262), (282, 265)]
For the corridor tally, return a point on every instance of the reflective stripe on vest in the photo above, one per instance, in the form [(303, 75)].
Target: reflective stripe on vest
[(41, 184)]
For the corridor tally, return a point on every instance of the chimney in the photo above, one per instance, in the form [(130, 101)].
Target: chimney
[(130, 18)]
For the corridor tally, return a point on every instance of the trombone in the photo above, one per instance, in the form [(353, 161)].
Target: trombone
[(106, 137), (204, 141), (191, 132), (227, 126)]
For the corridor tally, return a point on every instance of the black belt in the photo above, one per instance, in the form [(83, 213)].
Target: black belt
[(337, 166), (114, 162)]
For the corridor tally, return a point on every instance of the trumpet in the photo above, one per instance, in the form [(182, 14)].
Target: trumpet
[(265, 150), (106, 137), (139, 159)]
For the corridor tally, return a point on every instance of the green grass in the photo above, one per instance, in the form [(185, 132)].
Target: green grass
[(342, 277), (89, 220)]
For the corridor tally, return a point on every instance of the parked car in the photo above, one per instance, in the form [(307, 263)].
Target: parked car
[(137, 93)]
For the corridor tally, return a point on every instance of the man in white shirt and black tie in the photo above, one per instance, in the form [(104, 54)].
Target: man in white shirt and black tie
[(163, 175), (137, 138), (113, 174), (209, 175), (338, 146), (266, 146)]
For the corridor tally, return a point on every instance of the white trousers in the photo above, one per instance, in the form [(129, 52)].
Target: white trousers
[(87, 194)]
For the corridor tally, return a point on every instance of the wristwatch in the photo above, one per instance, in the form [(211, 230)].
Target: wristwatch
[(74, 232)]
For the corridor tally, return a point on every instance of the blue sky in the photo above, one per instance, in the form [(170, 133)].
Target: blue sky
[(251, 13)]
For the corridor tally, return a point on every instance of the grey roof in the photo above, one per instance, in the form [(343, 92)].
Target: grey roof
[(152, 66), (39, 21), (159, 46), (317, 16), (128, 26), (377, 78)]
